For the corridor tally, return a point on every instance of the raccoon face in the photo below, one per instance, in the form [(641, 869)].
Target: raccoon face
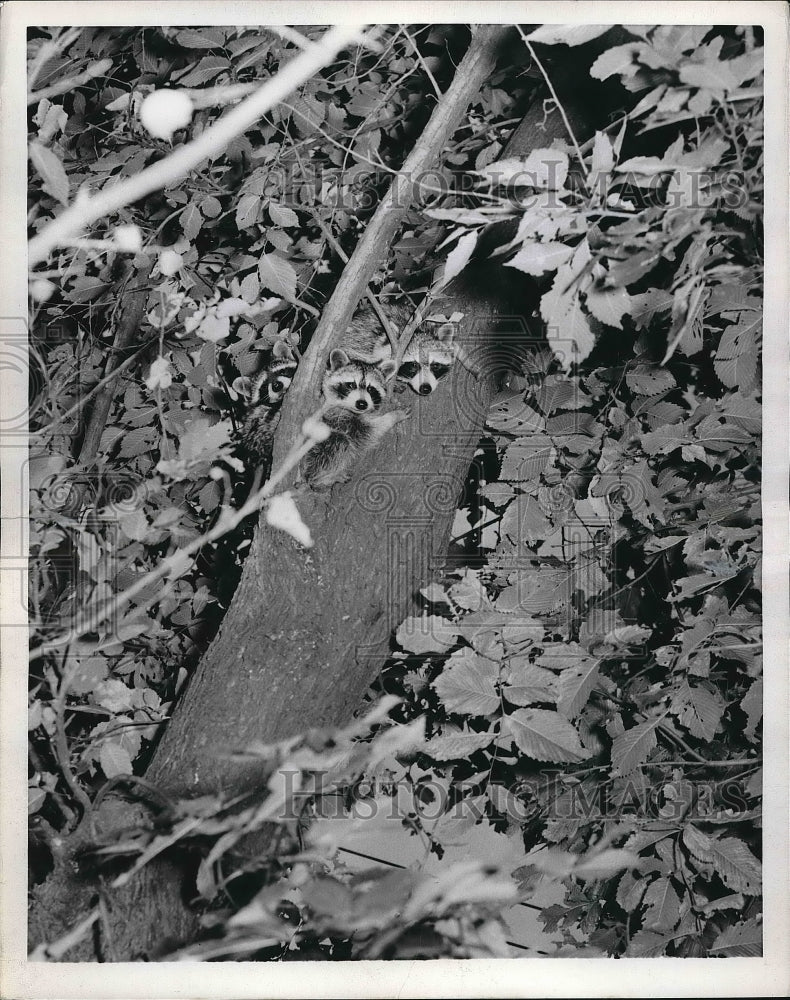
[(427, 359), (355, 385), (273, 383)]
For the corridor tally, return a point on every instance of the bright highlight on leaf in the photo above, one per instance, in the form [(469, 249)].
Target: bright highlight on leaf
[(164, 112), (282, 513)]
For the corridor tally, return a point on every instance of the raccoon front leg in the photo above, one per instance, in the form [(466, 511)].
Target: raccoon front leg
[(332, 461)]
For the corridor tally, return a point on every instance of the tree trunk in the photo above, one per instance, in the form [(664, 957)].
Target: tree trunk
[(308, 630)]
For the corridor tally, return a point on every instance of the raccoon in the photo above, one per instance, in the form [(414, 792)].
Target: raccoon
[(265, 396), (354, 391), (273, 382), (426, 360)]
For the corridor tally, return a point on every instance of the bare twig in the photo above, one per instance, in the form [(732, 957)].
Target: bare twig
[(556, 99), (422, 62), (166, 172)]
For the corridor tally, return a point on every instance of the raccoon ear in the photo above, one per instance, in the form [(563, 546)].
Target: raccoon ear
[(338, 359), (283, 350), (445, 332), (387, 369)]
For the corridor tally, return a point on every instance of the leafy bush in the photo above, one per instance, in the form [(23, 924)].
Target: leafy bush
[(605, 620)]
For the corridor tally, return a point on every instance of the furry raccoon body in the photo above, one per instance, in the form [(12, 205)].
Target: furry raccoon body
[(426, 360)]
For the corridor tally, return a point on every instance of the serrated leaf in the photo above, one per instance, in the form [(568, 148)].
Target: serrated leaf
[(191, 221), (457, 746), (206, 69), (544, 735), (467, 684), (630, 890), (662, 905), (278, 275), (281, 215), (698, 710), (649, 380), (633, 747), (735, 362), (528, 683), (743, 940), (738, 868), (647, 944), (248, 210), (575, 685), (609, 305)]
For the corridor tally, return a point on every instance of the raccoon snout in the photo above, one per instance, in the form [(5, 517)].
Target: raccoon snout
[(361, 404), (425, 389)]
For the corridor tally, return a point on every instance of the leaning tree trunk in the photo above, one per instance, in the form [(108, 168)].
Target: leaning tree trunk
[(308, 630)]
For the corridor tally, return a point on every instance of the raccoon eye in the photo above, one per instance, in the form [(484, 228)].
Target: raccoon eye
[(408, 369), (439, 369), (277, 385), (351, 386)]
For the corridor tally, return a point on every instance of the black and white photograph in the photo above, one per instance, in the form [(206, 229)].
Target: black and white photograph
[(390, 534)]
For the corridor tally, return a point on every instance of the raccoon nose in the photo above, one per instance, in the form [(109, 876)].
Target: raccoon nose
[(361, 404), (425, 389)]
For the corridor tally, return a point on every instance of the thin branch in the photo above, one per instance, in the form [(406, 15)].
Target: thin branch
[(95, 69), (422, 62), (83, 212), (557, 101)]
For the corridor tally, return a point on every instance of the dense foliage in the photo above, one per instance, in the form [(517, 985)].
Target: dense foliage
[(577, 713)]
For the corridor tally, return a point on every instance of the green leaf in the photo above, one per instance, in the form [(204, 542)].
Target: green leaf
[(619, 59), (744, 940), (282, 216), (647, 944), (537, 258), (730, 857), (567, 34), (633, 747), (544, 735), (114, 759), (459, 257), (467, 682), (528, 683), (752, 705), (575, 685), (248, 210), (698, 709), (51, 171), (649, 380), (426, 634), (609, 305), (713, 75), (457, 746), (278, 275), (662, 904)]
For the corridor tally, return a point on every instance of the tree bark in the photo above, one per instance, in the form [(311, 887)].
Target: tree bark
[(308, 630)]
